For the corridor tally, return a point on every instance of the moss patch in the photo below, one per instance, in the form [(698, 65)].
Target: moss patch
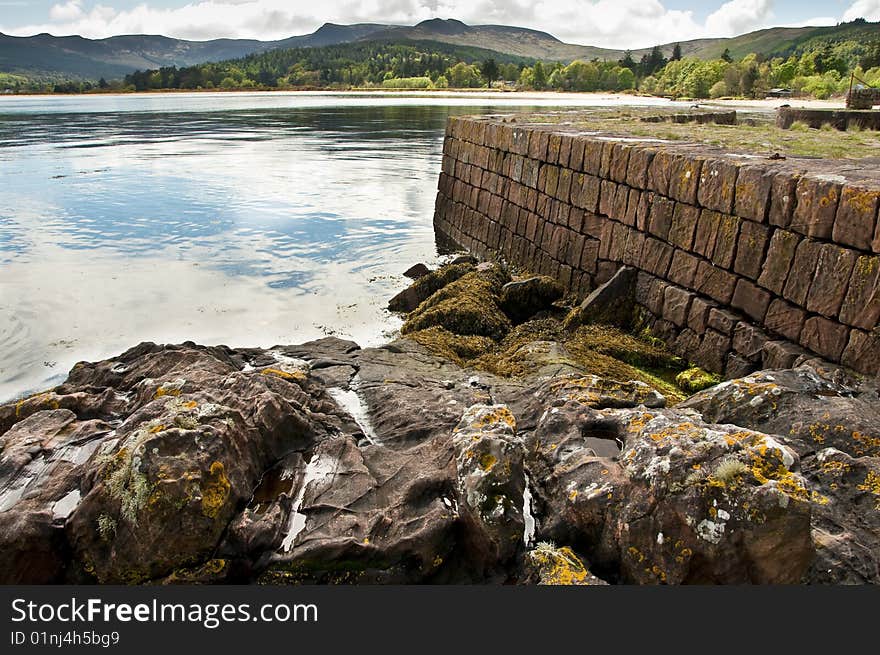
[(696, 379), (468, 306)]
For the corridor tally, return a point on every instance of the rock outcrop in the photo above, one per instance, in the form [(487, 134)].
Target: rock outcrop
[(552, 457)]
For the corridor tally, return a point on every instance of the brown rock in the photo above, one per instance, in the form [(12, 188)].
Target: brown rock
[(750, 299), (824, 337), (684, 224), (802, 270), (683, 269), (752, 198), (783, 198), (785, 319), (856, 218), (829, 285), (725, 241), (862, 353), (780, 254), (861, 307), (713, 282), (753, 239), (817, 201), (676, 305), (718, 180)]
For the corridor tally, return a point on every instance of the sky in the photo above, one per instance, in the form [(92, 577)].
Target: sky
[(609, 23)]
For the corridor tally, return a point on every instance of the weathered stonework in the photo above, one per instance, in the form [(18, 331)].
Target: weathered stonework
[(744, 263)]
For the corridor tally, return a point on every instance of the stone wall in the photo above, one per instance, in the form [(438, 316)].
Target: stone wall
[(745, 262)]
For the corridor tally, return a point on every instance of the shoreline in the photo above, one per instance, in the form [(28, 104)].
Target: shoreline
[(767, 103)]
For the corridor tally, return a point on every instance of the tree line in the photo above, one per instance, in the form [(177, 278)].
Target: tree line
[(817, 68)]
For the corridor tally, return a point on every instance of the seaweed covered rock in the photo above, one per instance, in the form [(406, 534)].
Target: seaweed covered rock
[(467, 306), (522, 299), (695, 379), (426, 285)]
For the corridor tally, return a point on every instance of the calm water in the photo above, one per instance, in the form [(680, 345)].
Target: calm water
[(245, 219)]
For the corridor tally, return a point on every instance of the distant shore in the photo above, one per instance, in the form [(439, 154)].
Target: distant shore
[(768, 103)]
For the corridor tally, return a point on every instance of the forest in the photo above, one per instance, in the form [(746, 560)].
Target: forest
[(820, 68)]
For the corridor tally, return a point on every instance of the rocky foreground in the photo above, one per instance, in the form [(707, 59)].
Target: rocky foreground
[(434, 459)]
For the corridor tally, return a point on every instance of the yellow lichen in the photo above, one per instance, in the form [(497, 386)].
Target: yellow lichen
[(215, 490)]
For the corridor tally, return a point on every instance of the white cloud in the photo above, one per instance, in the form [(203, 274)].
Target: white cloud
[(609, 23), (66, 13), (739, 16), (867, 9)]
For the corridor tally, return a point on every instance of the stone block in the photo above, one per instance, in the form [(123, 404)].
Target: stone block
[(592, 156), (640, 159), (817, 200), (785, 319), (684, 179), (659, 170), (660, 221), (607, 198), (862, 352), (752, 196), (656, 256), (749, 341), (706, 233), (684, 224), (783, 198), (861, 307), (738, 366), (831, 280), (676, 304), (576, 157), (698, 315), (824, 337), (802, 270), (750, 249), (714, 282), (780, 354), (590, 256), (683, 268), (617, 170), (725, 241), (750, 299), (780, 254), (713, 350), (722, 320), (856, 219), (717, 184)]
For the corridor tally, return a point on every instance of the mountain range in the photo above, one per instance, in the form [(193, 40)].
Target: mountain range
[(113, 57)]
